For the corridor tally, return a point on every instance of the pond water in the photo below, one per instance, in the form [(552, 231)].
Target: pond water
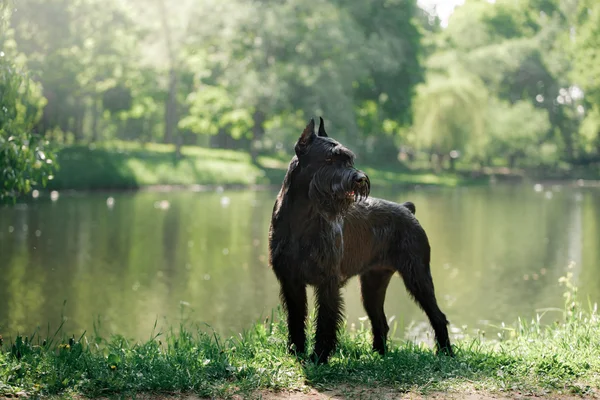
[(497, 253)]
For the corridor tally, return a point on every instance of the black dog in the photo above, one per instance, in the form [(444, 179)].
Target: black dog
[(325, 229)]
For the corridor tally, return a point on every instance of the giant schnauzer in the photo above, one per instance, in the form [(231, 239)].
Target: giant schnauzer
[(325, 229)]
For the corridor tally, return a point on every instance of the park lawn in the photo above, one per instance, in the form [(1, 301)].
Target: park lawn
[(389, 176), (131, 165), (561, 360)]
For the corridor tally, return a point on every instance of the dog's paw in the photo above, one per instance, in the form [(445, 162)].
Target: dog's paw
[(295, 351), (446, 351), (315, 359), (380, 347)]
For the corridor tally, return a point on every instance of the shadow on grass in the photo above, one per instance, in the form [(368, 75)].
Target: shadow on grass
[(199, 361), (273, 176), (406, 368), (83, 168)]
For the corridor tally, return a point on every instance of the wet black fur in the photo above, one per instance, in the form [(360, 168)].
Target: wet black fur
[(325, 229)]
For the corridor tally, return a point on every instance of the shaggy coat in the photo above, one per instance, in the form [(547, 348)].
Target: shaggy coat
[(326, 229)]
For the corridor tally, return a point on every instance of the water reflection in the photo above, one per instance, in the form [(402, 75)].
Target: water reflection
[(132, 259)]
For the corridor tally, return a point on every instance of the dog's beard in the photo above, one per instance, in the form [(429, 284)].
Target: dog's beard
[(335, 192), (361, 191)]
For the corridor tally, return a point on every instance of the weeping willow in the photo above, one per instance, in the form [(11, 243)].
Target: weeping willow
[(450, 112)]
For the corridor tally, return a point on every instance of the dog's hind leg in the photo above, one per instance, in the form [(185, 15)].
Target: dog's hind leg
[(329, 318), (418, 281), (373, 285), (293, 296)]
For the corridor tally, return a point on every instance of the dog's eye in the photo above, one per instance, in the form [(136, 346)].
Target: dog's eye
[(328, 160)]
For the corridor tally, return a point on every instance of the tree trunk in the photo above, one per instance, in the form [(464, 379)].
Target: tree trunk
[(221, 140), (258, 131), (48, 120), (568, 139), (482, 163), (64, 122), (79, 119), (171, 113), (436, 161), (452, 163), (512, 160), (94, 120), (171, 103)]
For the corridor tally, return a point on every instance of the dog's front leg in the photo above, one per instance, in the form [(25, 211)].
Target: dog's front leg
[(329, 318), (293, 295)]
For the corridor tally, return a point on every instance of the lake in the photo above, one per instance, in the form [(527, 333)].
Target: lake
[(137, 258)]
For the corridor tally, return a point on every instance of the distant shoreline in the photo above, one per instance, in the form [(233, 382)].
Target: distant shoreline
[(128, 166), (198, 188)]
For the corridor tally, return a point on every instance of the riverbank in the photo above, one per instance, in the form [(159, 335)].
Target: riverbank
[(128, 165), (559, 360)]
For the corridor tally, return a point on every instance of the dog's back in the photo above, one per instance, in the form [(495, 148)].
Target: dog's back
[(368, 227)]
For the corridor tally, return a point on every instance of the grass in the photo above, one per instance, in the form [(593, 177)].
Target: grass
[(531, 358), (386, 176), (133, 165), (127, 165)]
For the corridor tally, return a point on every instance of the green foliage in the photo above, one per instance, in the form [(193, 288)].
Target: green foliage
[(83, 53), (590, 130), (211, 109), (129, 165), (247, 64), (586, 70), (532, 357), (518, 131), (441, 123), (26, 159), (518, 52), (394, 46), (271, 59), (467, 29), (587, 49), (513, 70), (246, 75)]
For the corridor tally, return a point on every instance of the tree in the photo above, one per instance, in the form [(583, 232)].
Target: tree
[(516, 50), (450, 112), (25, 157), (84, 55), (171, 118), (393, 40), (518, 132), (586, 71), (324, 58)]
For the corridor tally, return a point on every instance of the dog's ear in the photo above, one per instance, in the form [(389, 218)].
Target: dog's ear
[(307, 137), (322, 132)]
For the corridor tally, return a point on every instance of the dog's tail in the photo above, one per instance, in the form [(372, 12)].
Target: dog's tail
[(411, 206)]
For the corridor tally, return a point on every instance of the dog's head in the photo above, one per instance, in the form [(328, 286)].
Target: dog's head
[(328, 169)]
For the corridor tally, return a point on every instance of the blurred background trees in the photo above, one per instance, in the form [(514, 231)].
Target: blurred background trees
[(506, 83), (25, 157)]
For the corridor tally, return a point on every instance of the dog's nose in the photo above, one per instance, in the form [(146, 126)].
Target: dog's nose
[(360, 179)]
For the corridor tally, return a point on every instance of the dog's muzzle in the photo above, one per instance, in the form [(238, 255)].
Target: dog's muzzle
[(361, 186)]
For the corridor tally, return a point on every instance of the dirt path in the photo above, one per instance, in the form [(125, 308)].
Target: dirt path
[(347, 393), (387, 394)]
